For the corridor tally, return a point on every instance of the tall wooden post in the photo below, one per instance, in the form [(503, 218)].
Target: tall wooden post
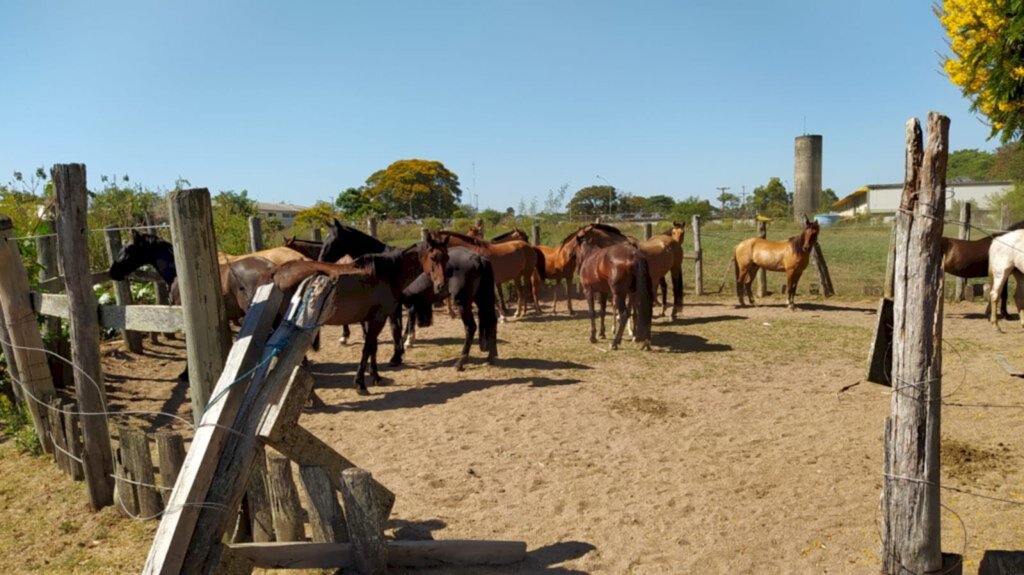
[(12, 365), (698, 257), (207, 339), (122, 293), (22, 332), (1004, 217), (318, 234), (911, 532), (824, 277), (163, 297), (648, 230), (255, 234), (49, 268), (965, 234), (424, 234), (762, 279), (371, 227), (72, 243), (890, 266), (480, 224), (535, 235)]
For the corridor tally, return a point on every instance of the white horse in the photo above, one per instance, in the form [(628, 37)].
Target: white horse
[(1006, 256)]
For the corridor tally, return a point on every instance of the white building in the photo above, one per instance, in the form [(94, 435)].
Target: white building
[(284, 212), (884, 199)]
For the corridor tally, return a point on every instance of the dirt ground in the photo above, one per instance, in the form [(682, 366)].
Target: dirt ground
[(747, 442)]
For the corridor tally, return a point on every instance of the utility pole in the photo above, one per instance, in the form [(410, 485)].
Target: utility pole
[(743, 201), (611, 190), (721, 191)]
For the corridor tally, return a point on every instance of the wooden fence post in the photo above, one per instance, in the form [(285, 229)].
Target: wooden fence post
[(12, 365), (371, 225), (170, 450), (137, 459), (49, 268), (911, 533), (122, 292), (22, 332), (318, 235), (326, 520), (365, 527), (72, 242), (207, 338), (824, 277), (284, 498), (535, 235), (648, 230), (424, 234), (890, 266), (762, 279), (698, 257), (255, 234), (1004, 217), (960, 285)]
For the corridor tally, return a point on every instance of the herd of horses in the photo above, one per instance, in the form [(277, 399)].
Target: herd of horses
[(376, 283)]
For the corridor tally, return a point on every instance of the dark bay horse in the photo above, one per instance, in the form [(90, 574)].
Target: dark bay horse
[(470, 280), (513, 261), (790, 256), (309, 248), (621, 271), (368, 292)]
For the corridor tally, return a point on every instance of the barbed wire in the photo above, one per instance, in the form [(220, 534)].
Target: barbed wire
[(97, 230)]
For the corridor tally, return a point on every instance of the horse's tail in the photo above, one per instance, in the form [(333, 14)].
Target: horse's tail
[(540, 265), (644, 297), (487, 307), (734, 268)]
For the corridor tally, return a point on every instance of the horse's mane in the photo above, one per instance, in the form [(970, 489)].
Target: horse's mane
[(607, 228), (383, 263), (153, 240), (1016, 226), (468, 239), (358, 233), (507, 235)]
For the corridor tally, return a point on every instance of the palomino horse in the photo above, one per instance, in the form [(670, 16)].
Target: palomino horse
[(619, 270), (277, 255), (664, 253), (969, 259), (1006, 257), (511, 261), (470, 280), (790, 256), (368, 292)]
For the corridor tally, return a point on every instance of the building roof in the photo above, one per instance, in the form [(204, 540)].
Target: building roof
[(841, 203), (864, 190), (272, 207)]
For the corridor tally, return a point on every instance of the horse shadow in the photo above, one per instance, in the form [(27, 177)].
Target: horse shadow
[(511, 362), (436, 393), (548, 317), (446, 341), (674, 342), (707, 319)]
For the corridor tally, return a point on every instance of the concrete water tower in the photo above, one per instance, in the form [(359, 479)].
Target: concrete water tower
[(806, 176)]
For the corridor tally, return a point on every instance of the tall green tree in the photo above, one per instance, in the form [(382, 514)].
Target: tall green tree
[(355, 203), (593, 201), (773, 200), (660, 204), (685, 209), (969, 165), (415, 188), (1007, 163), (828, 197), (231, 212)]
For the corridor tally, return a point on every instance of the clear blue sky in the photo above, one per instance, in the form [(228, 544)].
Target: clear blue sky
[(295, 101)]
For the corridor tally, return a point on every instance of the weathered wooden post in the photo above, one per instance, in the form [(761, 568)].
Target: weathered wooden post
[(255, 234), (72, 228), (12, 365), (698, 257), (890, 266), (480, 224), (965, 234), (365, 526), (762, 279), (318, 234), (326, 520), (122, 293), (424, 234), (137, 459), (1004, 217), (22, 333), (163, 297), (284, 498), (648, 230), (911, 532), (371, 225), (170, 449), (824, 277), (535, 235), (207, 338), (49, 271)]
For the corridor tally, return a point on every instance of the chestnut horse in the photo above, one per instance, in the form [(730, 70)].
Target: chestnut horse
[(511, 261), (665, 255), (368, 292), (558, 263), (790, 256), (621, 271)]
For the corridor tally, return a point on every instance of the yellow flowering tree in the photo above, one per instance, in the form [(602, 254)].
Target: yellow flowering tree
[(987, 63)]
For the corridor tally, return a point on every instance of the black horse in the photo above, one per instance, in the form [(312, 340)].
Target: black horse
[(470, 280)]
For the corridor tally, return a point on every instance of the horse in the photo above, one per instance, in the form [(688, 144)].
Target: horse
[(368, 291), (277, 255), (790, 256), (309, 248), (470, 280), (1005, 257), (511, 261), (558, 263), (620, 270), (664, 253), (969, 259)]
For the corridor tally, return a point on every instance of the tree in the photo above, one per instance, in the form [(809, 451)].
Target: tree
[(490, 216), (231, 212), (1007, 163), (415, 188), (321, 215), (968, 165), (684, 210), (594, 200), (727, 201), (828, 197), (772, 199), (555, 200), (987, 63), (659, 204)]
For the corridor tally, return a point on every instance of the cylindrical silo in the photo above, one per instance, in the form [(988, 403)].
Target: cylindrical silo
[(806, 176)]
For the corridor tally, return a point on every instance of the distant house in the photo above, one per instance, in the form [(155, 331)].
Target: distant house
[(284, 212), (884, 199)]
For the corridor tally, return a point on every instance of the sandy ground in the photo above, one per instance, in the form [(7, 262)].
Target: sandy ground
[(747, 442)]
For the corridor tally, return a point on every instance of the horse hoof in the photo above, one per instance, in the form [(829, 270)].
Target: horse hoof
[(460, 365), (343, 340), (593, 339), (408, 342), (615, 346), (361, 390)]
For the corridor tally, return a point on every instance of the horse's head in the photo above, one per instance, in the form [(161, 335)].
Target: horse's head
[(334, 244), (434, 260), (475, 232), (142, 249), (809, 235), (678, 231)]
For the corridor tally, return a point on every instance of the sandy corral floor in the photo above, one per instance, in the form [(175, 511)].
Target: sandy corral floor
[(747, 442)]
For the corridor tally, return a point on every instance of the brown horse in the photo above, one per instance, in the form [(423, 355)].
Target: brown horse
[(309, 248), (368, 292), (558, 263), (621, 271), (513, 261), (665, 256), (969, 259), (790, 256)]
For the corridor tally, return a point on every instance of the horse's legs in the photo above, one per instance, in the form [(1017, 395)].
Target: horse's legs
[(664, 297), (740, 279), (999, 277), (502, 310), (396, 334), (589, 294), (361, 372), (623, 315), (375, 327), (534, 278), (568, 293), (410, 328), (1018, 294), (604, 311), (466, 313), (791, 281), (346, 334)]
